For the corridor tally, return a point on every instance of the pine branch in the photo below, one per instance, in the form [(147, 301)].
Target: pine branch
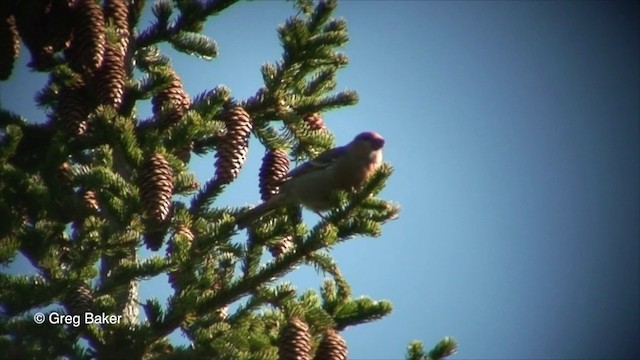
[(194, 44), (192, 15), (317, 239), (445, 348), (360, 311), (207, 194)]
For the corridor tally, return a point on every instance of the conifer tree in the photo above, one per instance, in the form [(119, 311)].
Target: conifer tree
[(84, 191)]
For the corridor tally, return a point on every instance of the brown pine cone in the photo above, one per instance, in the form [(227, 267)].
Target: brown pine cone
[(156, 190), (9, 45), (184, 152), (117, 12), (72, 110), (65, 176), (314, 121), (274, 169), (233, 145), (110, 78), (88, 43), (173, 99), (182, 233), (157, 187), (90, 200), (282, 246), (79, 299), (185, 232), (331, 347), (295, 341)]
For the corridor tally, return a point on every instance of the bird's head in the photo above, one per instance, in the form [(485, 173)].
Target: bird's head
[(374, 140)]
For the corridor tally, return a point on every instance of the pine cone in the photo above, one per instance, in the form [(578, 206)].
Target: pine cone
[(182, 234), (72, 110), (9, 45), (331, 347), (156, 190), (65, 176), (117, 12), (295, 341), (110, 77), (233, 145), (274, 169), (314, 121), (79, 299), (87, 47), (175, 102), (184, 152), (90, 200), (174, 99), (157, 187), (284, 245)]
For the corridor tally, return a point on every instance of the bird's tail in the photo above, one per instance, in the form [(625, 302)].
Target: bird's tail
[(248, 217)]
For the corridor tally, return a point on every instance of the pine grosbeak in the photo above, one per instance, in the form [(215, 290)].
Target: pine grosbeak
[(313, 183)]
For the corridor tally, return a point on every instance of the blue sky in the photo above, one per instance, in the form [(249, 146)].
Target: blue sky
[(513, 128)]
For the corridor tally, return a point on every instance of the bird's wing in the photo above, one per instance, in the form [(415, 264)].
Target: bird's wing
[(321, 161)]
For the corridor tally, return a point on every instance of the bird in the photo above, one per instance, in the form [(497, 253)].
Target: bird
[(313, 183)]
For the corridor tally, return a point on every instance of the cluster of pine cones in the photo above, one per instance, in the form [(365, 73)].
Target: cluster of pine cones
[(81, 31), (74, 31), (78, 29), (295, 343), (92, 37)]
